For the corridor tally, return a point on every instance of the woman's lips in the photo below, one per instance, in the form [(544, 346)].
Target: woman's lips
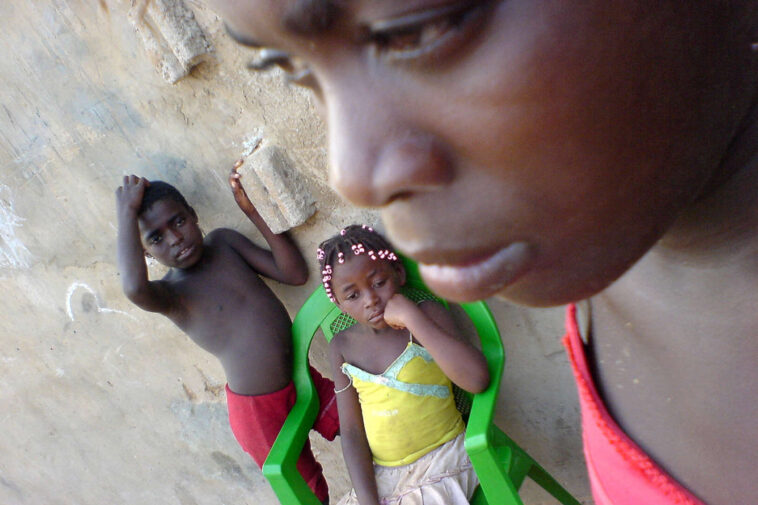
[(481, 278)]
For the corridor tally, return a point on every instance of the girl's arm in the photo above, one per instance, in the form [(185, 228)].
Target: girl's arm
[(285, 262), (433, 326), (151, 296), (355, 448)]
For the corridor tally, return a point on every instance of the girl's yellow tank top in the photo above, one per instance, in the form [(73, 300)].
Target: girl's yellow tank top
[(408, 410)]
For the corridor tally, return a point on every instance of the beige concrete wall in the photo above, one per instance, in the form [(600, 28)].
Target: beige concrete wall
[(103, 403)]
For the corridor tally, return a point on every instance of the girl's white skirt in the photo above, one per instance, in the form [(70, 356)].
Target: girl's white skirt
[(444, 476)]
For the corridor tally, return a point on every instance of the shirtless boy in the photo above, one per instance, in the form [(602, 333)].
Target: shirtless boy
[(558, 150), (213, 292)]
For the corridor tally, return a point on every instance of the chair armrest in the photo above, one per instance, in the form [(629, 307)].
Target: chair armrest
[(491, 461), (480, 420), (280, 467), (478, 428)]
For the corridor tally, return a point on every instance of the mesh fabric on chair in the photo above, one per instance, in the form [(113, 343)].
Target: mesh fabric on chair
[(500, 464)]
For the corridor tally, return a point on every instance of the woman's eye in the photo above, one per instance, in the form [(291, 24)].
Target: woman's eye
[(180, 221), (413, 37), (380, 283), (267, 58), (155, 239), (424, 33), (351, 296)]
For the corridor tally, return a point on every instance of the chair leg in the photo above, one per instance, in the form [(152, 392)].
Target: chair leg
[(508, 496), (521, 465), (494, 482), (549, 484)]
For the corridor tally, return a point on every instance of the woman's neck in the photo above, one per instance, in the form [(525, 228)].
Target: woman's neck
[(723, 220)]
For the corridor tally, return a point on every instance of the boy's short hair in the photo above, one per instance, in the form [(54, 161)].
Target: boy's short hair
[(159, 190)]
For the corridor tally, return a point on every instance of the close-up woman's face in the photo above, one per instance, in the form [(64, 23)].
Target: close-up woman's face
[(531, 149)]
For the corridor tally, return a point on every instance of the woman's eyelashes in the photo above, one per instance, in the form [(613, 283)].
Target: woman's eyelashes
[(295, 70), (267, 58), (431, 34)]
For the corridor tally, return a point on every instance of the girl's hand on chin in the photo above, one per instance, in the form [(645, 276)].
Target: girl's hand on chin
[(397, 310)]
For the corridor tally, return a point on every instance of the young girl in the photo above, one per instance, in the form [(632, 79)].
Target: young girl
[(402, 437)]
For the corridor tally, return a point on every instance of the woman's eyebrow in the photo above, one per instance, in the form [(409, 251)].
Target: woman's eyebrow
[(302, 17)]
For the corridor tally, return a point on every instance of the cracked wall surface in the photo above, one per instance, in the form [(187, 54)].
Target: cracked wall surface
[(99, 401)]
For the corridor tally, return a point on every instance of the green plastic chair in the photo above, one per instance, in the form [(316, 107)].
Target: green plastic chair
[(499, 462)]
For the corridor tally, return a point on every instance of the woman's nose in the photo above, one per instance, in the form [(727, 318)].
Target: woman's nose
[(174, 237), (377, 156)]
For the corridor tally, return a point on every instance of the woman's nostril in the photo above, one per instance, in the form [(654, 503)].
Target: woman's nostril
[(416, 163), (403, 195)]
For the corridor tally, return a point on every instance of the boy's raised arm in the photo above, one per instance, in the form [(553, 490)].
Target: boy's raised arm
[(131, 256), (285, 262)]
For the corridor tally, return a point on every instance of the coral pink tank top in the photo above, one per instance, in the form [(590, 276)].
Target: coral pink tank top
[(620, 472)]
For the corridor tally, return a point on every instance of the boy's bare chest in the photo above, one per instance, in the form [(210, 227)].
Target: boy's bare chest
[(226, 300), (224, 281)]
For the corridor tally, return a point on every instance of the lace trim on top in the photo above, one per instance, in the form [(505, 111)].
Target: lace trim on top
[(389, 377)]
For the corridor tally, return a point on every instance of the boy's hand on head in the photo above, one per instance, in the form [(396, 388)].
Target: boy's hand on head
[(240, 196), (129, 195), (397, 311)]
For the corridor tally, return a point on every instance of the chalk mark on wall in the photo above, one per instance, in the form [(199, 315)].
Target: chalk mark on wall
[(70, 294), (13, 253)]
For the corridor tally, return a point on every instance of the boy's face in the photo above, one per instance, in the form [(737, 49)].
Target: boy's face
[(534, 149), (362, 287), (170, 234)]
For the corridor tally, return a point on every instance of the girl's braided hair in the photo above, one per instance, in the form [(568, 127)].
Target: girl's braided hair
[(355, 239)]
